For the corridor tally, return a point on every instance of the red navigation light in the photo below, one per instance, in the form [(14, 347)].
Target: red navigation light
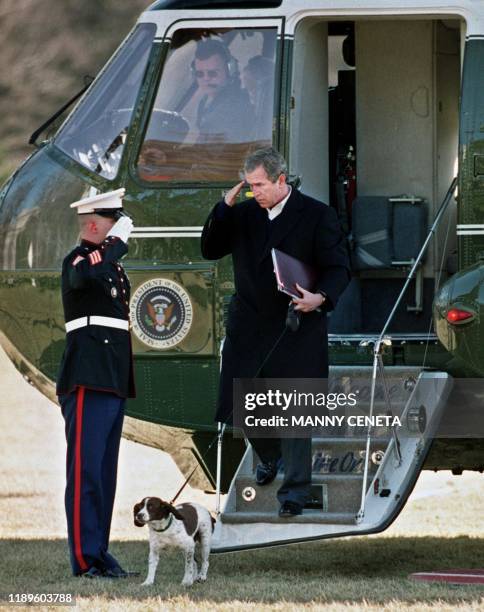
[(457, 315)]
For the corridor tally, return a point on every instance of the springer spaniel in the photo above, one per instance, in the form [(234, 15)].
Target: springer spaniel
[(186, 526)]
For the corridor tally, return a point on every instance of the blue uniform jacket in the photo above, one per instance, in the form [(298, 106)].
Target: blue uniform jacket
[(95, 283)]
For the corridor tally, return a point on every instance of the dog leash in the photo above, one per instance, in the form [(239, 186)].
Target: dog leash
[(187, 480), (221, 432)]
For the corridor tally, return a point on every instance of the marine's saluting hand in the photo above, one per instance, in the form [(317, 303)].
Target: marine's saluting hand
[(122, 229), (231, 196)]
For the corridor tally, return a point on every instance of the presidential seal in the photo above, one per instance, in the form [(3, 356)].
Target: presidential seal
[(161, 313)]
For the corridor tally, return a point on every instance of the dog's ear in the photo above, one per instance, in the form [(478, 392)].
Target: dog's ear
[(175, 512), (158, 509), (136, 509)]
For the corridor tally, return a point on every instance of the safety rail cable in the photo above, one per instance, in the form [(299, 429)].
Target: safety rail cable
[(380, 343)]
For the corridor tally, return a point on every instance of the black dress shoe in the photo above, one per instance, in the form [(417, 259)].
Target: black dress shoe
[(92, 572), (265, 473), (118, 572), (289, 509)]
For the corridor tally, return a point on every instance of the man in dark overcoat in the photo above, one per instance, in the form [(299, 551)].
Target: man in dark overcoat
[(95, 378), (277, 216)]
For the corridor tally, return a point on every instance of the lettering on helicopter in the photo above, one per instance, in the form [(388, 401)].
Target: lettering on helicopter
[(161, 313)]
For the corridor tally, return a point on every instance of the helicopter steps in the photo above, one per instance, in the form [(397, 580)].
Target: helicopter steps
[(311, 516), (335, 495), (330, 492), (250, 516)]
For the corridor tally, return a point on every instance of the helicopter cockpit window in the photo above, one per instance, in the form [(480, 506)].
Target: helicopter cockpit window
[(214, 105), (95, 133)]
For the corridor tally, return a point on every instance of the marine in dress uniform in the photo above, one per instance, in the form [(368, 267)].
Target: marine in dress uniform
[(281, 217), (95, 378)]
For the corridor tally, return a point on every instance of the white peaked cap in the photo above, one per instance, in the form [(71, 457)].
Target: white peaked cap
[(102, 202)]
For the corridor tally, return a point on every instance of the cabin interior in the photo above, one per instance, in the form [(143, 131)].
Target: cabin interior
[(374, 132)]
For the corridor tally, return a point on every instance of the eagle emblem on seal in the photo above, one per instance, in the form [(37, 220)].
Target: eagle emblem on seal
[(160, 315)]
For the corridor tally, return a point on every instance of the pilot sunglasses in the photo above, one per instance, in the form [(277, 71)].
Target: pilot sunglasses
[(210, 73)]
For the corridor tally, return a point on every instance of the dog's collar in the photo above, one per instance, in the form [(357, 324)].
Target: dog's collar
[(170, 520)]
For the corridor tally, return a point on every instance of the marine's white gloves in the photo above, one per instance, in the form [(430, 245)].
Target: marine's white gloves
[(122, 229)]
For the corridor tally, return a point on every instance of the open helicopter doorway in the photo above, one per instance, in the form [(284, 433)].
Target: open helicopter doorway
[(374, 133)]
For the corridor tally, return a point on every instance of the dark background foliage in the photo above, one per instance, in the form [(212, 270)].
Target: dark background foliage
[(46, 49)]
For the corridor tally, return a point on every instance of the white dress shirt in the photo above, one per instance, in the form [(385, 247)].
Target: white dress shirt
[(277, 209)]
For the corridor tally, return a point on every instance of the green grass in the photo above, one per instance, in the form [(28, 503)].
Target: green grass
[(441, 527), (358, 573)]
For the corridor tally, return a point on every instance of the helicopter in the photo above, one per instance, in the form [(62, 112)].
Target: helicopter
[(378, 108)]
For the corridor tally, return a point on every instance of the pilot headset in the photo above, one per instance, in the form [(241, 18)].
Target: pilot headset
[(208, 47)]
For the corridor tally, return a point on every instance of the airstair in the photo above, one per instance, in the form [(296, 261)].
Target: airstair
[(359, 483)]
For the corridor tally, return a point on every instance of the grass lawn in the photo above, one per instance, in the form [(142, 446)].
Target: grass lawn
[(359, 573), (441, 527)]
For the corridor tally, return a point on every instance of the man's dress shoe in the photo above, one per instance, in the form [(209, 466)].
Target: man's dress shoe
[(266, 472), (118, 572), (289, 509), (93, 572)]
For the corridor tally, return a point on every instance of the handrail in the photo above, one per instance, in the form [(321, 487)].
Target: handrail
[(220, 435), (380, 343)]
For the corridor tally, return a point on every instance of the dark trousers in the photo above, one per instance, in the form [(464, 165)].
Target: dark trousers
[(93, 423), (296, 456)]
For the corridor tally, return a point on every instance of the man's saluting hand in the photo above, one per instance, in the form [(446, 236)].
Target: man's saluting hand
[(231, 196)]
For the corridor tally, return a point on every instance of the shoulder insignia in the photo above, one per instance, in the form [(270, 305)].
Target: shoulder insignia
[(95, 258), (77, 260)]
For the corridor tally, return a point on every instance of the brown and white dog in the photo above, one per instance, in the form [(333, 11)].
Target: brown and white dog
[(186, 526)]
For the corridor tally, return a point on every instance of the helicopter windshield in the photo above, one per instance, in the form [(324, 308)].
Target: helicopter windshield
[(214, 104), (95, 133)]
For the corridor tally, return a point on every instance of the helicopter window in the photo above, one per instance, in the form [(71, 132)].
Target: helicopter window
[(214, 105), (95, 133)]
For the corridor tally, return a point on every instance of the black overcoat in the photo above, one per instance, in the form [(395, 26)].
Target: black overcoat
[(305, 229), (94, 283)]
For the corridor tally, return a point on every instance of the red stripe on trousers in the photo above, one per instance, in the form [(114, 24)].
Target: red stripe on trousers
[(77, 480)]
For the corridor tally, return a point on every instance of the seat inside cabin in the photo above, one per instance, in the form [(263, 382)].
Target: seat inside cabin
[(374, 134)]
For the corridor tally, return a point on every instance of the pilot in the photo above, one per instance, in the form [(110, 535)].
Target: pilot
[(225, 114), (95, 378)]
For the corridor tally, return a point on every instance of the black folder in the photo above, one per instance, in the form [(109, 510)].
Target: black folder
[(289, 271)]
